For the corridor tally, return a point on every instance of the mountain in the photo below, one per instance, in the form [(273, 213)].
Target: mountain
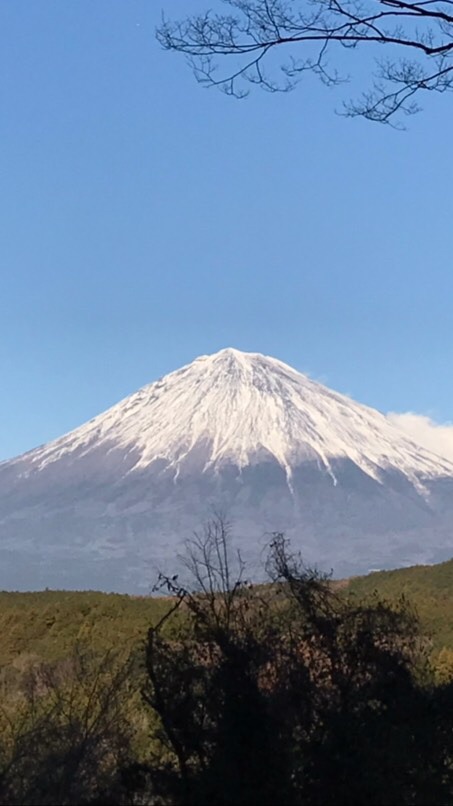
[(242, 433)]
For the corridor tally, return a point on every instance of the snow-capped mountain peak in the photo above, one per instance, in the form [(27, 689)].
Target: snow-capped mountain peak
[(242, 407)]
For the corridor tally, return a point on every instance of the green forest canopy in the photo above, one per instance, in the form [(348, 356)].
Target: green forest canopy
[(46, 624)]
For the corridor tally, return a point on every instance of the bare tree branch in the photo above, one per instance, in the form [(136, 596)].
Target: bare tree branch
[(247, 37)]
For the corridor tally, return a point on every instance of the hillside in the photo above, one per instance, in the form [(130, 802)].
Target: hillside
[(91, 705), (428, 587), (47, 624)]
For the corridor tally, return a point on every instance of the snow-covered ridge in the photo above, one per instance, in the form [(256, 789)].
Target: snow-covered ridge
[(239, 405)]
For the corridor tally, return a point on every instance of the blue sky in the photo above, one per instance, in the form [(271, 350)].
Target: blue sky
[(145, 221)]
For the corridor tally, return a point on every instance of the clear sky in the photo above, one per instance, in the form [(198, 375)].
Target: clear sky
[(145, 221)]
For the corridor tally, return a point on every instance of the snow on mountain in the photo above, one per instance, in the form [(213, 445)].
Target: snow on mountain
[(240, 405), (108, 503)]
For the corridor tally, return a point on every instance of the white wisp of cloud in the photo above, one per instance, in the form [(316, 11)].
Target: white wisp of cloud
[(435, 437)]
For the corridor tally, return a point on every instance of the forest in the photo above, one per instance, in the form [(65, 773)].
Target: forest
[(303, 689)]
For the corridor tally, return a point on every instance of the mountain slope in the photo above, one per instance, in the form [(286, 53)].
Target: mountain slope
[(240, 432)]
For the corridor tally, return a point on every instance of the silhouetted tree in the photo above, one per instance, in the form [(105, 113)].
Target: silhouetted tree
[(289, 692), (417, 38)]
